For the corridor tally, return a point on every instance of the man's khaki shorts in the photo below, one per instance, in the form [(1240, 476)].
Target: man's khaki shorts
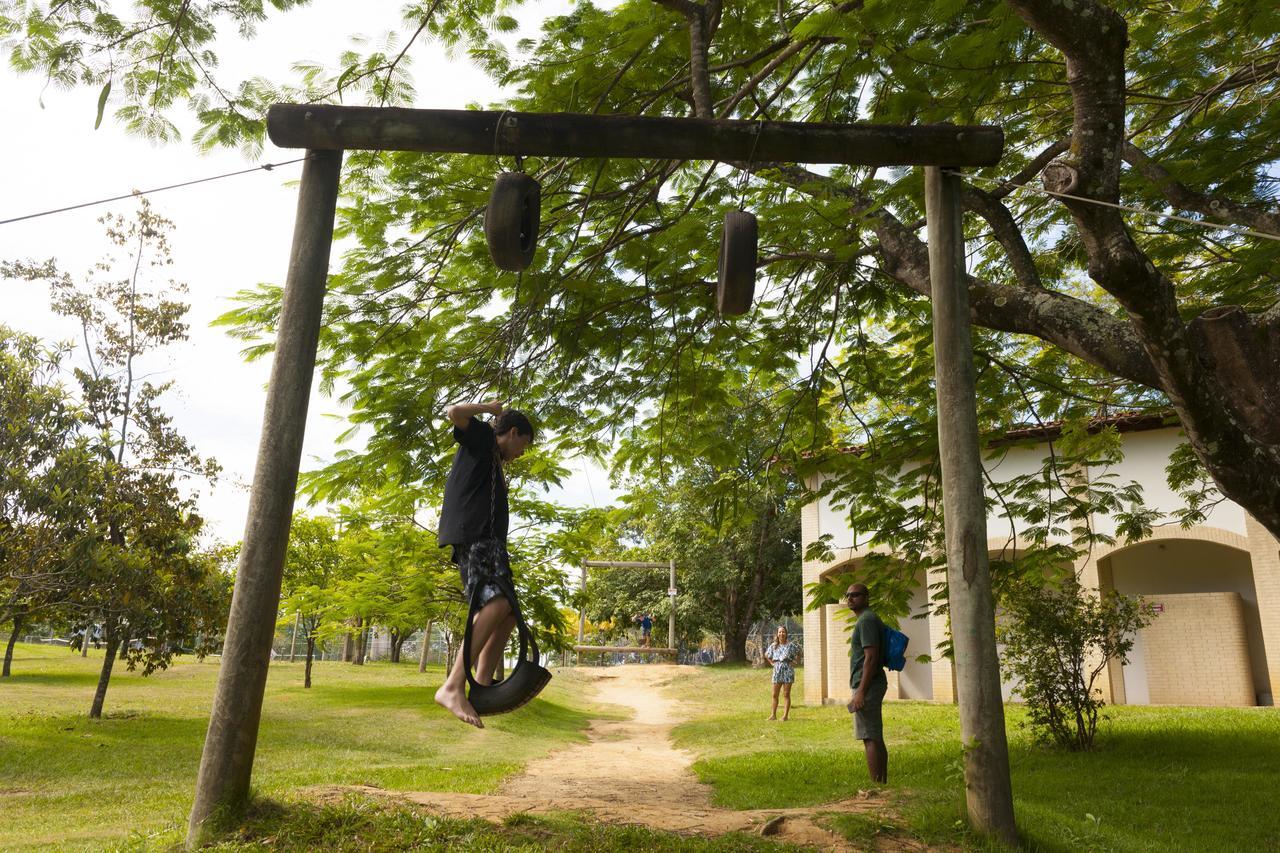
[(868, 724)]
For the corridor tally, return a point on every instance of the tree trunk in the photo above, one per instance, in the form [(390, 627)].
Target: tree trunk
[(124, 646), (987, 784), (362, 643), (348, 646), (735, 635), (84, 642), (397, 641), (104, 677), (18, 619), (357, 645), (450, 649), (311, 652), (426, 647)]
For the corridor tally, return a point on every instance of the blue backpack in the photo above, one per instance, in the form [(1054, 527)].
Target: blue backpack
[(895, 649)]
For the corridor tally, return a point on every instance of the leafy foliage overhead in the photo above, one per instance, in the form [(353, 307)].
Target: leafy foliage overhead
[(1086, 310)]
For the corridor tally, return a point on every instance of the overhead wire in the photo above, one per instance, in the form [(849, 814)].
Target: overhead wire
[(265, 167), (1155, 214)]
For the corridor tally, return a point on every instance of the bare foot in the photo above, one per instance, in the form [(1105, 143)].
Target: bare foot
[(784, 719), (774, 717), (455, 702)]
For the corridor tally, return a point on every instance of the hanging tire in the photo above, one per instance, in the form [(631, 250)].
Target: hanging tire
[(737, 282), (511, 221)]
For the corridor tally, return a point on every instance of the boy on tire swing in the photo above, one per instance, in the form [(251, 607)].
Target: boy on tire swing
[(474, 520)]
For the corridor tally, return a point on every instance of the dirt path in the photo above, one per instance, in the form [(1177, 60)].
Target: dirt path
[(628, 772)]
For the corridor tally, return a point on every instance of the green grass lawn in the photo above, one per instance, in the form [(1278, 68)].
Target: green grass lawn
[(67, 782), (1161, 778)]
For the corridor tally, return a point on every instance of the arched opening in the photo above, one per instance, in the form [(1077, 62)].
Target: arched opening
[(916, 679), (1205, 646)]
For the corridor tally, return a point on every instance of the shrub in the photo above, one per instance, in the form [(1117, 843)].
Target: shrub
[(1058, 639)]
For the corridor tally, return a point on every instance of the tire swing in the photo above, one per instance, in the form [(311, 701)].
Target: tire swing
[(736, 284), (511, 220), (736, 281), (529, 676), (525, 681)]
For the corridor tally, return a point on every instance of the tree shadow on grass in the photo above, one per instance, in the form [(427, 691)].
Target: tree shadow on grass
[(543, 714), (1186, 787), (56, 679), (74, 752)]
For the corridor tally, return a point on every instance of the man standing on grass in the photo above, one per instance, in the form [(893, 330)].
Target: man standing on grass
[(869, 683), (474, 520)]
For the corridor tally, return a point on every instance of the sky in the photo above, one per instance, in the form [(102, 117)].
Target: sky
[(230, 234)]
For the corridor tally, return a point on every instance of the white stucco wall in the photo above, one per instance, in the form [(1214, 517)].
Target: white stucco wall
[(916, 679), (1146, 454), (1176, 566)]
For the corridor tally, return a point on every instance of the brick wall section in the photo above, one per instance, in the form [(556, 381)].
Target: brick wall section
[(944, 689), (1090, 578), (1197, 652), (1115, 669), (839, 628), (815, 658), (1265, 554)]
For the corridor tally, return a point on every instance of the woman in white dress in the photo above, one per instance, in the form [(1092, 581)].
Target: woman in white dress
[(781, 653)]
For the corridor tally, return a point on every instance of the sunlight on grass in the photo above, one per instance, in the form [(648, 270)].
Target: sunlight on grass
[(71, 780), (360, 824), (1161, 779)]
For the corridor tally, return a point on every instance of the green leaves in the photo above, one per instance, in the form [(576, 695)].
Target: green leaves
[(102, 104)]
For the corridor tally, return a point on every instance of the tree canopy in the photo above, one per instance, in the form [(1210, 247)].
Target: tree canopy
[(1086, 309)]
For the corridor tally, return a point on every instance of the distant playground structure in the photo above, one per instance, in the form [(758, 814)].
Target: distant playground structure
[(670, 651)]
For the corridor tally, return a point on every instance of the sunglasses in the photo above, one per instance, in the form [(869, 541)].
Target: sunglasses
[(849, 596)]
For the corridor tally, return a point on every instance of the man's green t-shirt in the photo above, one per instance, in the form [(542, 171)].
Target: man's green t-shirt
[(867, 631)]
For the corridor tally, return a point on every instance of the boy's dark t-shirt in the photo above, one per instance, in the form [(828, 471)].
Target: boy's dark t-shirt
[(464, 517), (867, 631)]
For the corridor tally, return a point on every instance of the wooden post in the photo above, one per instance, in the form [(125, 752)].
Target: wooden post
[(582, 610), (671, 618), (226, 765), (989, 792)]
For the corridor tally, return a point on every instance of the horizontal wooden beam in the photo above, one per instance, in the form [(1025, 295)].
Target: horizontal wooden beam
[(327, 127), (623, 564), (606, 649)]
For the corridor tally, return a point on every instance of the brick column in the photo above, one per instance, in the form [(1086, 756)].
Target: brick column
[(838, 632), (815, 655), (815, 623), (944, 682), (1090, 573), (1265, 554)]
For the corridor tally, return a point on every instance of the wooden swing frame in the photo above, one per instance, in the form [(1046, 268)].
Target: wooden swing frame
[(226, 764)]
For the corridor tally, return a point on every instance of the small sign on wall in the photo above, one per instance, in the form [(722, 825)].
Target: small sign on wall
[(1157, 607)]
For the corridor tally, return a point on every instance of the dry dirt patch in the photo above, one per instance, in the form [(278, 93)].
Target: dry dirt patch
[(629, 773)]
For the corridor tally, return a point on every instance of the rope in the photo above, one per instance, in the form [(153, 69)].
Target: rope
[(742, 177), (1154, 214), (265, 167)]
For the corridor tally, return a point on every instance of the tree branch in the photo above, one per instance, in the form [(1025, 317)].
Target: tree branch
[(1035, 167), (703, 20), (1007, 234), (1220, 209), (1084, 330)]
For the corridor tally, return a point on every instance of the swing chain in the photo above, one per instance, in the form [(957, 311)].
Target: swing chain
[(497, 139)]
